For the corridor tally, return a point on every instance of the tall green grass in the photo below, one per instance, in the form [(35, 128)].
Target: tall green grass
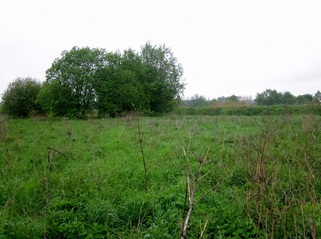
[(276, 110), (263, 177)]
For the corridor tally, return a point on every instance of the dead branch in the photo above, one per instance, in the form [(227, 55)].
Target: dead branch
[(191, 201)]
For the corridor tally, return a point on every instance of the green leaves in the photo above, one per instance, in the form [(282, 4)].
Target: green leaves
[(112, 83), (75, 73), (19, 99), (272, 97), (163, 76)]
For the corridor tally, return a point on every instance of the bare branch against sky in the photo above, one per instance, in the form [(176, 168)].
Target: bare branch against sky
[(225, 46)]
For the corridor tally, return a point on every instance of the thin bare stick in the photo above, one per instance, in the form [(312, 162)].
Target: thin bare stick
[(188, 188), (56, 150), (50, 149), (203, 230), (191, 203), (184, 152), (218, 184), (185, 201), (189, 165), (206, 173)]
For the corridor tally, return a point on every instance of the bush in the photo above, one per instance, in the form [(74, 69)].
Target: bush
[(19, 100)]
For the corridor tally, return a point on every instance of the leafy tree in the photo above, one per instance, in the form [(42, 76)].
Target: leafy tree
[(304, 99), (73, 76), (233, 98), (269, 97), (148, 81), (222, 99), (119, 88), (103, 86), (19, 99), (288, 98), (53, 98), (162, 77)]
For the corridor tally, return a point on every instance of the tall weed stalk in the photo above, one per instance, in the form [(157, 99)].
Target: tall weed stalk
[(140, 140), (280, 189)]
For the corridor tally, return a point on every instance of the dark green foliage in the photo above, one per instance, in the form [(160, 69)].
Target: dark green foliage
[(119, 86), (288, 98), (70, 82), (232, 98), (304, 99), (19, 100), (88, 80), (54, 99), (272, 97), (269, 97), (162, 77)]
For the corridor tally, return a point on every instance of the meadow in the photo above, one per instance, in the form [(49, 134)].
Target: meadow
[(142, 177)]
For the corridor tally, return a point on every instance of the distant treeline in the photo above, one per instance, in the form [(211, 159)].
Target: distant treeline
[(267, 98)]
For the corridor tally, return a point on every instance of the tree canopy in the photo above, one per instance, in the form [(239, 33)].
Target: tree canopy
[(69, 87), (86, 79), (162, 77)]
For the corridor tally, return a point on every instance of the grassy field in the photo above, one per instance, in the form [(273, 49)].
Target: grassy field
[(134, 177)]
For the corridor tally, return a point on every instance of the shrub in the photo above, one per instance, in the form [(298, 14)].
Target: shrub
[(19, 100)]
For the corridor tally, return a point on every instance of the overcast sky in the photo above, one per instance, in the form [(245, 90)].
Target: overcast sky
[(226, 47)]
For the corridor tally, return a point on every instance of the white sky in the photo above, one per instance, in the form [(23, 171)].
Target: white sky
[(226, 47)]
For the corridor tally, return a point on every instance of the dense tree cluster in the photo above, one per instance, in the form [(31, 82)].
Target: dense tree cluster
[(87, 80), (272, 97)]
